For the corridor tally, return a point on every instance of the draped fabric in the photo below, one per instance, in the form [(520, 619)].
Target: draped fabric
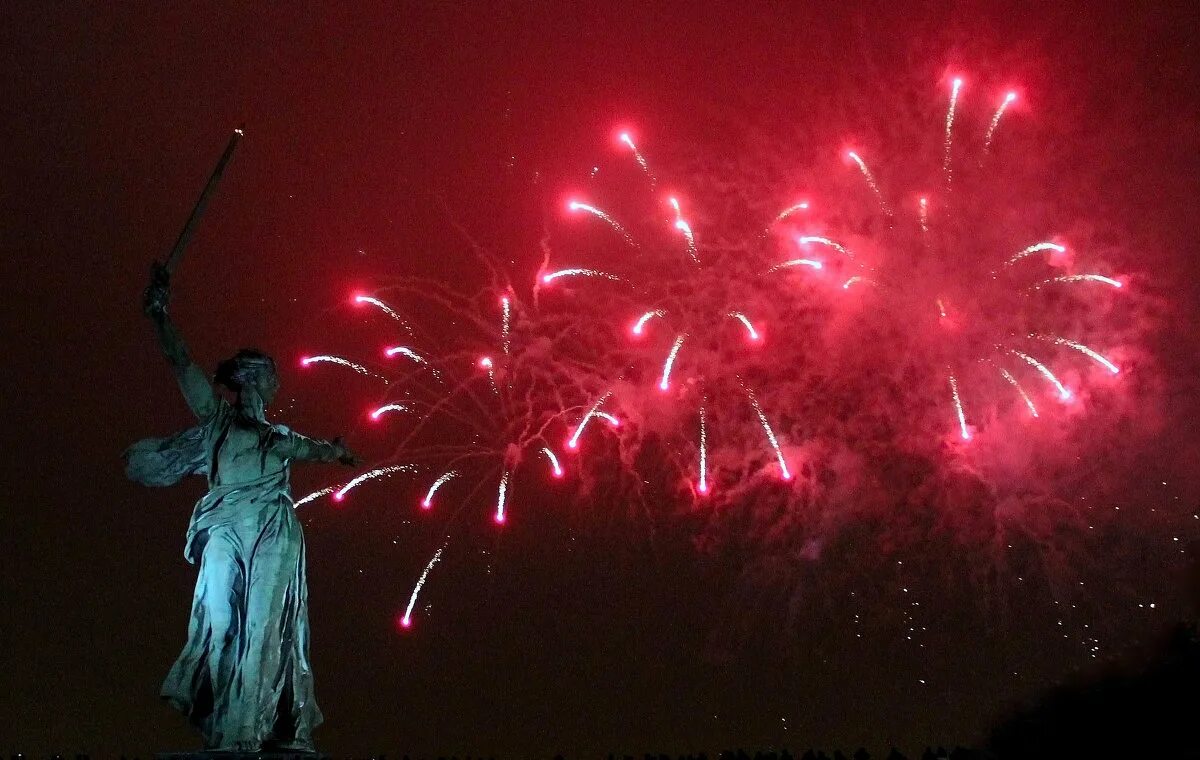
[(243, 677)]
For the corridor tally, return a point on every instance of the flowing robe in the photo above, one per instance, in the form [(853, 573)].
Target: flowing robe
[(243, 677)]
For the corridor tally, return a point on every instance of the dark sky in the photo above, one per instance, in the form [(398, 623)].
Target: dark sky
[(367, 127)]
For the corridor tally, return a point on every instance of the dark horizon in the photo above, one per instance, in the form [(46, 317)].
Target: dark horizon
[(377, 140)]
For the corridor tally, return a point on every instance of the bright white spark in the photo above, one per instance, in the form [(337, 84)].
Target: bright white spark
[(406, 621), (991, 132), (665, 382), (1093, 355), (637, 156), (766, 426), (444, 478), (550, 277), (745, 321), (360, 369), (573, 442), (1025, 396), (947, 142), (958, 409), (1031, 250), (500, 497), (558, 470), (870, 178), (371, 475), (1080, 278), (406, 352), (642, 320), (702, 487), (796, 263), (601, 214), (1063, 393), (316, 495), (807, 239), (375, 415), (506, 307)]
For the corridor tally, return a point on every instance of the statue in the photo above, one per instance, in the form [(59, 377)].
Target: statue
[(243, 678)]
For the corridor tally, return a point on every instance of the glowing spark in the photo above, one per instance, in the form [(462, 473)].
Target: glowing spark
[(962, 420), (578, 272), (870, 178), (1080, 278), (941, 308), (573, 442), (766, 426), (666, 375), (991, 132), (406, 621), (610, 419), (371, 475), (385, 309), (375, 415), (1025, 396), (796, 263), (924, 216), (749, 327), (505, 323), (485, 362), (579, 206), (500, 496), (316, 495), (1063, 393), (702, 487), (558, 470), (947, 142), (642, 320), (856, 279), (360, 369), (637, 156), (1031, 250), (444, 478), (807, 239), (686, 229), (1093, 355), (406, 352), (801, 206)]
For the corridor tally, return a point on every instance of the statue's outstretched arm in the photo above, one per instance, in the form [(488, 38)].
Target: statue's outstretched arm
[(301, 448), (197, 391)]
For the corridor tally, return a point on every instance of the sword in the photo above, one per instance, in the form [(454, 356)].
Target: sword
[(198, 210)]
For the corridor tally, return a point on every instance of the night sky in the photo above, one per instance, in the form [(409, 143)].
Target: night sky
[(382, 141)]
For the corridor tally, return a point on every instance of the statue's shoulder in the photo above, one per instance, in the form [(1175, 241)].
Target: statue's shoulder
[(280, 429)]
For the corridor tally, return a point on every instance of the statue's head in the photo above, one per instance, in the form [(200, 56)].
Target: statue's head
[(250, 369)]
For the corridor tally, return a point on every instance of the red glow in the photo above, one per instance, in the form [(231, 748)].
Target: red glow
[(572, 444), (339, 496), (558, 473), (785, 476), (498, 519), (357, 298), (702, 488), (405, 622), (1011, 96), (426, 504), (305, 361)]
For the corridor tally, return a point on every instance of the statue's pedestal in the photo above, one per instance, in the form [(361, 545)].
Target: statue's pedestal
[(271, 754)]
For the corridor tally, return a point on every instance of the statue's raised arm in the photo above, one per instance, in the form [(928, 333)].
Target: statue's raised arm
[(197, 390)]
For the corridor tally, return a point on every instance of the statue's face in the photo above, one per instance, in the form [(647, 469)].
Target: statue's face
[(267, 386)]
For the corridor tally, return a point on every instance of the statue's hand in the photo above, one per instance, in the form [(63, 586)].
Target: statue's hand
[(158, 292), (345, 455)]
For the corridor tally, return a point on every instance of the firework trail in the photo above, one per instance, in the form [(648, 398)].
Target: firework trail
[(573, 441), (812, 263), (500, 497), (811, 239), (506, 307), (1024, 396), (702, 486), (360, 299), (579, 206), (682, 225), (1093, 355), (315, 495), (958, 409), (1063, 393), (637, 156), (923, 205), (610, 419), (379, 412), (991, 131), (442, 480), (949, 139), (578, 272), (371, 475), (802, 206), (1034, 249), (766, 426), (406, 621), (750, 331), (871, 183), (556, 468), (1077, 278), (642, 320), (664, 383), (328, 359)]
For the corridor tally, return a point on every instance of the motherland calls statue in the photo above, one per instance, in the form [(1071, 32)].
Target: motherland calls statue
[(243, 678)]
